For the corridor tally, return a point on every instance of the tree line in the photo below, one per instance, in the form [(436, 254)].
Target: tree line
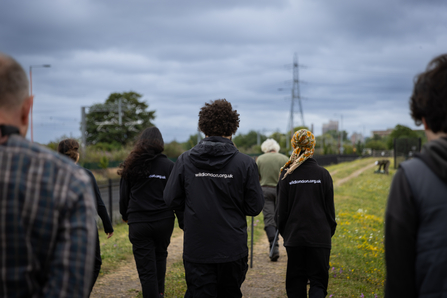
[(112, 126)]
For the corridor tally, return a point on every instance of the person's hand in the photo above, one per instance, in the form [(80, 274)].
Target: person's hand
[(109, 235)]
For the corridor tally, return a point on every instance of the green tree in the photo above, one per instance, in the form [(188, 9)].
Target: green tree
[(359, 148), (400, 131), (173, 149), (282, 140), (328, 143), (192, 141), (103, 119), (245, 142), (375, 144)]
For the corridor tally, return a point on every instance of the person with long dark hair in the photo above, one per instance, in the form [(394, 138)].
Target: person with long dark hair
[(144, 174), (70, 148)]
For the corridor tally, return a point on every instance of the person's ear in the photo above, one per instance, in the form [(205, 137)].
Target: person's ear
[(24, 114)]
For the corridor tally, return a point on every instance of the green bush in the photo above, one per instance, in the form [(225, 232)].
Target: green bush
[(104, 162)]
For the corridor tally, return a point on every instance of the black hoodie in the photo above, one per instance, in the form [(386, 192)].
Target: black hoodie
[(305, 215), (401, 226), (141, 200), (218, 187)]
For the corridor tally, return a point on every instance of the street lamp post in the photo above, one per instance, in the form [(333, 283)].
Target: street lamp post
[(340, 135), (31, 93)]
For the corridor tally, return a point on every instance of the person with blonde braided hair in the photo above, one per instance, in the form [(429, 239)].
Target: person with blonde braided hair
[(305, 218), (301, 140)]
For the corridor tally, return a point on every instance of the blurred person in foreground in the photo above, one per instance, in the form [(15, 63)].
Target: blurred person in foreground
[(416, 215), (306, 218), (47, 217), (269, 167), (70, 148), (218, 187), (144, 174)]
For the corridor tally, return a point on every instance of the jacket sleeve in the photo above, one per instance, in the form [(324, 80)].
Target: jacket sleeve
[(174, 192), (400, 239), (71, 265), (179, 212), (124, 198), (282, 210), (253, 196), (330, 207), (101, 208)]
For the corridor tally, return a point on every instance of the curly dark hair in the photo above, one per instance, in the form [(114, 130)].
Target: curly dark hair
[(138, 163), (429, 98), (218, 118), (70, 148)]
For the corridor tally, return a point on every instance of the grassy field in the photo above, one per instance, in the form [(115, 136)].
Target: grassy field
[(356, 266)]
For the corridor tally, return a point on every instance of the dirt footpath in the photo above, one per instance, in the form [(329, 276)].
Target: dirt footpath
[(124, 282), (266, 278), (355, 174)]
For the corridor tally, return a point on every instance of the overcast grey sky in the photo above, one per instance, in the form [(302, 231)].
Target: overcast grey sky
[(358, 59)]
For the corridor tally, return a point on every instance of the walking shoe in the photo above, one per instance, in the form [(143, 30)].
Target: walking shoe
[(275, 255)]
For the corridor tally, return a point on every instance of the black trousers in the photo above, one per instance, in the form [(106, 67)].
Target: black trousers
[(150, 241), (98, 262), (215, 280), (307, 263)]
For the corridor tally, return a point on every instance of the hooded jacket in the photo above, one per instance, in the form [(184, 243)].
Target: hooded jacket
[(306, 214), (141, 200), (217, 186), (415, 226)]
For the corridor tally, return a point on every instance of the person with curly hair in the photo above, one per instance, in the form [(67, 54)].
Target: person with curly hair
[(416, 214), (218, 187), (269, 165), (305, 218), (70, 148), (144, 174)]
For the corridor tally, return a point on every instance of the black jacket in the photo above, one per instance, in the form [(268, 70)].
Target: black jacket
[(415, 236), (141, 200), (218, 187), (306, 214), (100, 207)]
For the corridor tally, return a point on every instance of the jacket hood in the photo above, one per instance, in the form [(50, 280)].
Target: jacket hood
[(436, 151), (212, 153)]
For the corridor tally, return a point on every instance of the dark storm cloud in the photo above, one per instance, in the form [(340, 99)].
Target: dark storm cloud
[(360, 58)]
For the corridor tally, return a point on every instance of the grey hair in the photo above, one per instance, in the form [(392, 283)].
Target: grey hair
[(270, 145), (13, 82)]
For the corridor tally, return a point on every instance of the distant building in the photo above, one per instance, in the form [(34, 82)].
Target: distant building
[(332, 125), (382, 133), (356, 137)]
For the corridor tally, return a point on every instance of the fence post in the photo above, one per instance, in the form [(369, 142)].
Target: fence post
[(110, 200), (252, 228), (395, 153)]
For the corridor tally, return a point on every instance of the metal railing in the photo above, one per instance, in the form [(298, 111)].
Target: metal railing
[(110, 194)]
